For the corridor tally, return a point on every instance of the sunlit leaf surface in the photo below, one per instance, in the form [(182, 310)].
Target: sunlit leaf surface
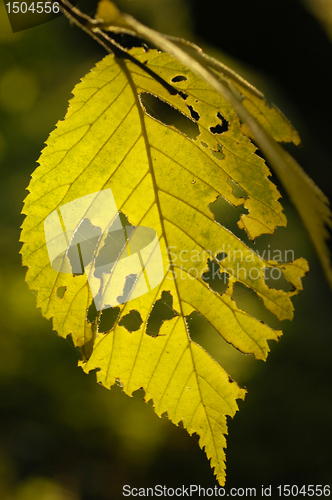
[(139, 151)]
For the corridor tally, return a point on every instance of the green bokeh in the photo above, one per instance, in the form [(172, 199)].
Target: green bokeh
[(63, 437)]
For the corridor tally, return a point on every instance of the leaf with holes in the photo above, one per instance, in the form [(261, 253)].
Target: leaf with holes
[(120, 237)]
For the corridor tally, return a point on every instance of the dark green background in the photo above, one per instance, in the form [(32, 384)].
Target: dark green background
[(63, 435)]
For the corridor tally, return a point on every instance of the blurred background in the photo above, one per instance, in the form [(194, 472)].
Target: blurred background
[(62, 436)]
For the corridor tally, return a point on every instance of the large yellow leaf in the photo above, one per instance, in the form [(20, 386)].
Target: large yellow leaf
[(163, 176)]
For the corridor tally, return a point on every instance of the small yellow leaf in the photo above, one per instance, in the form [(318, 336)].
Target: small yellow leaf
[(108, 12)]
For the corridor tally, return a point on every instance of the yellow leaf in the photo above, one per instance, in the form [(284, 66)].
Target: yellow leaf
[(143, 152)]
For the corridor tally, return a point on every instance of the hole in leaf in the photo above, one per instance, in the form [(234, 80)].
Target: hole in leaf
[(162, 310), (124, 220), (195, 322), (82, 246), (108, 319), (217, 280), (221, 256), (179, 78), (247, 300), (168, 115), (204, 144), (237, 190), (220, 127), (129, 284), (61, 292), (183, 95), (228, 216), (114, 244), (131, 321), (193, 113), (274, 278), (92, 313), (218, 154)]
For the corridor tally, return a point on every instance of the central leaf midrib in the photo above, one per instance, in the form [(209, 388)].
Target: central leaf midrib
[(155, 187)]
